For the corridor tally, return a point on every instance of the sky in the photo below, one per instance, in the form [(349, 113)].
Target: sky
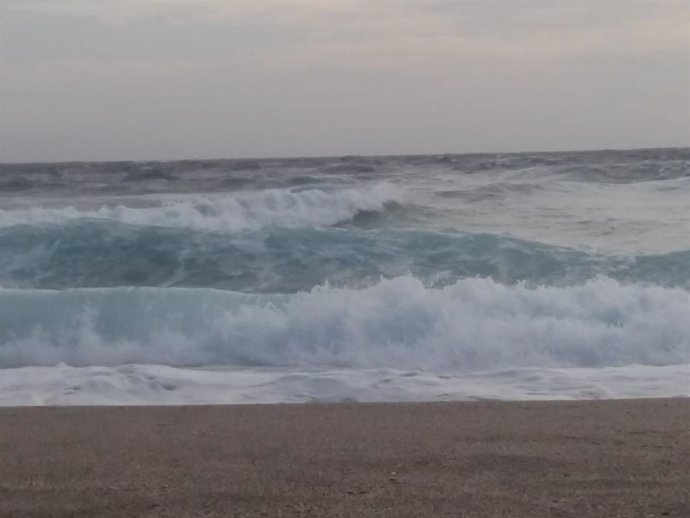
[(176, 79)]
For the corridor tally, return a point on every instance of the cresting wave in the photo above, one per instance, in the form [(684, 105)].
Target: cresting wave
[(285, 260), (236, 212), (518, 276), (474, 324)]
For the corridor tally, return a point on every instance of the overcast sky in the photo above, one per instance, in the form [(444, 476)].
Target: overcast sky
[(167, 79)]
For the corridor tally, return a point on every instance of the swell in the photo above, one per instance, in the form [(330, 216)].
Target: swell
[(95, 253), (227, 175), (474, 324)]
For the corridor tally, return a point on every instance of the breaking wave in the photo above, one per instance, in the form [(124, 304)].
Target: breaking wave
[(241, 211), (509, 276), (474, 324)]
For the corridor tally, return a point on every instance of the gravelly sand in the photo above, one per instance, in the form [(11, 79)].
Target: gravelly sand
[(486, 459)]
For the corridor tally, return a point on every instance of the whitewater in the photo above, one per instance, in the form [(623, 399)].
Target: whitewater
[(406, 278)]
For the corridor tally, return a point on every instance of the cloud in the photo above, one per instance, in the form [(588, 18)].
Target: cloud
[(188, 77), (491, 26), (122, 11)]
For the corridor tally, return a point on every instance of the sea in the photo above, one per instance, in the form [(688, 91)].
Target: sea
[(527, 276)]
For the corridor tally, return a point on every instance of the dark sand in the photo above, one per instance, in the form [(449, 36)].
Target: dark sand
[(574, 459)]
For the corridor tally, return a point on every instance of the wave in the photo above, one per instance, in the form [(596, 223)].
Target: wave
[(241, 211), (284, 260), (131, 178), (474, 324)]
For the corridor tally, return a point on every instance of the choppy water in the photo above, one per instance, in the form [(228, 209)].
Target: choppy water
[(388, 278)]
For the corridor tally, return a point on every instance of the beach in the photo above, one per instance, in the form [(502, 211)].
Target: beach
[(344, 259), (624, 458)]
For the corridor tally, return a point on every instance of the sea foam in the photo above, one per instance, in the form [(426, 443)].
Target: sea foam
[(474, 324), (163, 385)]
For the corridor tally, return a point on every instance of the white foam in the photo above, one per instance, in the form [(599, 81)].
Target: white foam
[(162, 385), (475, 324), (241, 211)]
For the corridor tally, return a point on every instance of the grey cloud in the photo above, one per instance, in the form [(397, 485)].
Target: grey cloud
[(176, 79)]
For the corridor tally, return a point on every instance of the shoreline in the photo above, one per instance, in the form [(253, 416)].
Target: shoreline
[(595, 458)]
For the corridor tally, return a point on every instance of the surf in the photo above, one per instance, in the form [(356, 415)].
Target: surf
[(106, 253), (474, 324), (227, 213)]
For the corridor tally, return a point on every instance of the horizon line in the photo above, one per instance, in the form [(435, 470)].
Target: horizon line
[(346, 155)]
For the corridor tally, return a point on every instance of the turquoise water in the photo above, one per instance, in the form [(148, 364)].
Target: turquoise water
[(422, 270)]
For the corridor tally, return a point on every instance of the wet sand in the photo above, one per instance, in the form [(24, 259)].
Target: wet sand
[(485, 459)]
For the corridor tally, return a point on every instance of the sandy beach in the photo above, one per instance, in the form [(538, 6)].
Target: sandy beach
[(484, 459)]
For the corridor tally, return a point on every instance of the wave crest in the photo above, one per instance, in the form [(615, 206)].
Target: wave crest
[(283, 260), (242, 211)]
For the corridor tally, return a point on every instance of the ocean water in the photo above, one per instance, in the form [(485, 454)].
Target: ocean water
[(450, 277)]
